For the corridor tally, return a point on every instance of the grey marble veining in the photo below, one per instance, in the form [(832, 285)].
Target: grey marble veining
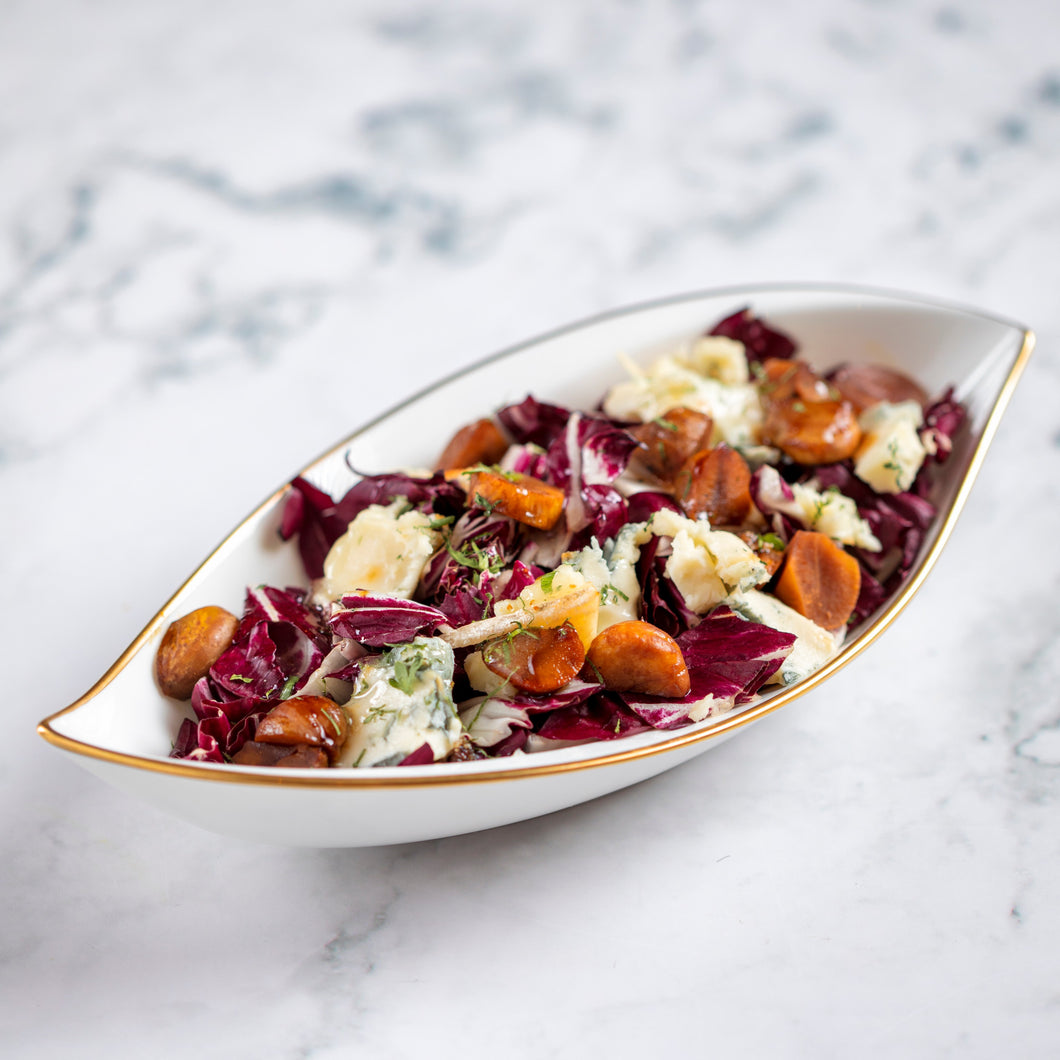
[(231, 232)]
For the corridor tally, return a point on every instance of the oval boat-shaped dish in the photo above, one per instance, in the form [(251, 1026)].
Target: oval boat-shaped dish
[(122, 729)]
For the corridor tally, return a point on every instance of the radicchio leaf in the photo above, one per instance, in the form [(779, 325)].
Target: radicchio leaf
[(641, 506), (603, 717), (577, 691), (591, 450), (661, 601), (381, 620), (529, 460), (774, 498), (422, 756), (310, 513), (942, 420), (427, 494), (491, 720), (760, 341), (605, 512), (533, 421)]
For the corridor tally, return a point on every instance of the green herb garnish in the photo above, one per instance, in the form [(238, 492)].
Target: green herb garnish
[(770, 541)]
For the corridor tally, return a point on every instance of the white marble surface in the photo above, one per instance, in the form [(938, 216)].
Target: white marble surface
[(229, 233)]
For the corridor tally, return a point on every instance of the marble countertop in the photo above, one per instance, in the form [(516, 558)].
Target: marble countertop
[(230, 233)]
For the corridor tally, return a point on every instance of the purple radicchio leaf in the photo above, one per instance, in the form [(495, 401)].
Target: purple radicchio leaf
[(871, 595), (491, 720), (468, 604), (251, 666), (661, 601), (601, 717), (432, 495), (471, 603), (192, 742), (381, 620), (519, 577), (508, 747), (606, 511), (269, 604), (641, 506), (942, 421), (532, 421), (591, 450), (590, 454), (310, 513), (760, 341), (529, 460), (222, 724), (774, 498), (576, 691), (422, 756)]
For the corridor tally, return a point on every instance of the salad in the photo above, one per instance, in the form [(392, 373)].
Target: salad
[(710, 530)]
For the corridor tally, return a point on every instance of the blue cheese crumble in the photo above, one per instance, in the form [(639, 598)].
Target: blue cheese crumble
[(402, 700)]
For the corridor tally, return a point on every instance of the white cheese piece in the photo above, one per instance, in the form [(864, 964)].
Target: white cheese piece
[(719, 358), (401, 701), (835, 514), (707, 566), (612, 570), (381, 552), (813, 646), (891, 452), (668, 384)]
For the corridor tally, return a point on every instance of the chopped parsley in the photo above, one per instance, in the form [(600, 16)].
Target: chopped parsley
[(378, 713), (667, 425), (484, 503), (770, 541), (472, 556), (892, 464), (510, 476), (407, 673)]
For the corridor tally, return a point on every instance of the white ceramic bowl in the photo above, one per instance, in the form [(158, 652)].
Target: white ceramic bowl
[(122, 729)]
